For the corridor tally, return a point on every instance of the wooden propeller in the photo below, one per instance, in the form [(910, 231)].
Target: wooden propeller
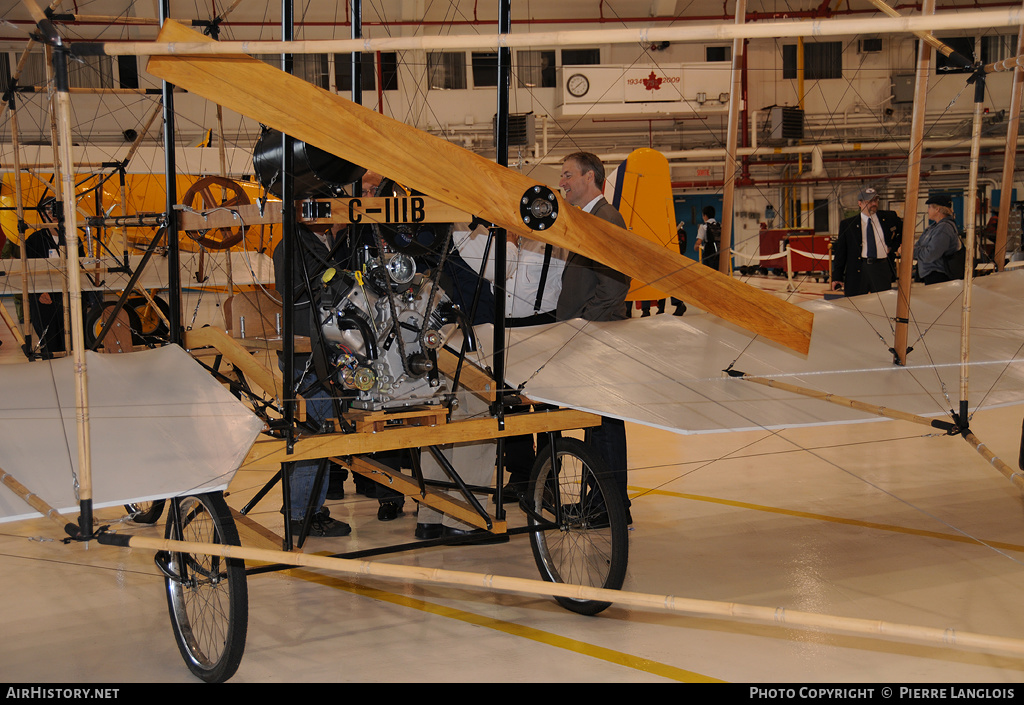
[(464, 180)]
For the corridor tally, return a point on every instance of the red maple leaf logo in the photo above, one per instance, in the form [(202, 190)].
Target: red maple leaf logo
[(652, 82)]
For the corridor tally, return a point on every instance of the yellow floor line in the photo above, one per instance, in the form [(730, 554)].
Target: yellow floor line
[(960, 538), (580, 647)]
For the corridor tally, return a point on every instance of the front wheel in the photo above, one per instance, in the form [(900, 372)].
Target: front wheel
[(579, 522), (206, 595)]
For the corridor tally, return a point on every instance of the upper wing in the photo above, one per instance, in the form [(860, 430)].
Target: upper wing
[(464, 180)]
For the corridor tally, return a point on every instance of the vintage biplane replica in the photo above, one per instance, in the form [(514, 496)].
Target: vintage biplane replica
[(406, 370)]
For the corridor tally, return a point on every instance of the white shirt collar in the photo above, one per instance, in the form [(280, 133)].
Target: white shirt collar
[(590, 206)]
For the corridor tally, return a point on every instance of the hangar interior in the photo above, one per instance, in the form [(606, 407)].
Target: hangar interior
[(874, 521)]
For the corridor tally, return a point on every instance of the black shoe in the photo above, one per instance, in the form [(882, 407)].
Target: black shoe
[(680, 310), (512, 492), (322, 525), (470, 536), (428, 531), (335, 492), (389, 511)]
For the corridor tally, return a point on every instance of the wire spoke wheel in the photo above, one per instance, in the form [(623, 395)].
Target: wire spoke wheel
[(580, 535), (146, 512), (206, 595)]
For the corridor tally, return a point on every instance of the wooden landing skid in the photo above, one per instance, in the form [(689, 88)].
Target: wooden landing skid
[(269, 453), (464, 180)]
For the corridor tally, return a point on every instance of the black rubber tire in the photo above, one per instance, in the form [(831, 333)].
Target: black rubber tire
[(588, 542), (95, 317), (209, 600), (152, 329), (146, 512)]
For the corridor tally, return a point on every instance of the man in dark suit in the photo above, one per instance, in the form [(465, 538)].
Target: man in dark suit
[(863, 259), (590, 290), (595, 292)]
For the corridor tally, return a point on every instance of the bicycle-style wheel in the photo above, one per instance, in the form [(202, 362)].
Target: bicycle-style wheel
[(580, 535), (146, 512), (206, 595)]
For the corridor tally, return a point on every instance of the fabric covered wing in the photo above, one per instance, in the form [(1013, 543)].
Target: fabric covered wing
[(667, 371), (160, 425)]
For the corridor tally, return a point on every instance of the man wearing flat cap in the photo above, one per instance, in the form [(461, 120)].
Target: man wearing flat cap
[(863, 259), (938, 243)]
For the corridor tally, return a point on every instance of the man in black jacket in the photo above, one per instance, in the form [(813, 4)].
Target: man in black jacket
[(863, 259), (595, 292)]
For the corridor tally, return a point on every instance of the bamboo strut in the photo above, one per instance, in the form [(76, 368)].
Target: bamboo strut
[(986, 19), (1009, 157), (922, 35), (1012, 475), (779, 616), (36, 502), (106, 19), (970, 217), (845, 401), (725, 243), (75, 304), (60, 185), (74, 300), (906, 268)]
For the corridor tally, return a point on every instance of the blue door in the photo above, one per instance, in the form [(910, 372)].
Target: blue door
[(688, 211)]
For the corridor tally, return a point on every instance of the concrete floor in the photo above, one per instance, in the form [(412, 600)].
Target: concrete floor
[(874, 521), (878, 521)]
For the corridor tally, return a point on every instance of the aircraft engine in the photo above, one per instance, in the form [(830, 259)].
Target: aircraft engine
[(384, 328)]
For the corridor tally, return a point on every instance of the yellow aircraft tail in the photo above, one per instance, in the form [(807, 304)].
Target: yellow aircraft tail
[(642, 191)]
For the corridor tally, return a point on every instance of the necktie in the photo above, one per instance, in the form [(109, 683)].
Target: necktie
[(872, 247)]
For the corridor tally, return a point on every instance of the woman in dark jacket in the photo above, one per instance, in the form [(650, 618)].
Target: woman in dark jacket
[(937, 242)]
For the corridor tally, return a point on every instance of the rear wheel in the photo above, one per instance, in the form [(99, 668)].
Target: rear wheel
[(146, 512), (580, 535), (207, 595)]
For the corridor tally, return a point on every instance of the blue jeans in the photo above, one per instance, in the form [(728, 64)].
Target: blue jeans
[(319, 408)]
